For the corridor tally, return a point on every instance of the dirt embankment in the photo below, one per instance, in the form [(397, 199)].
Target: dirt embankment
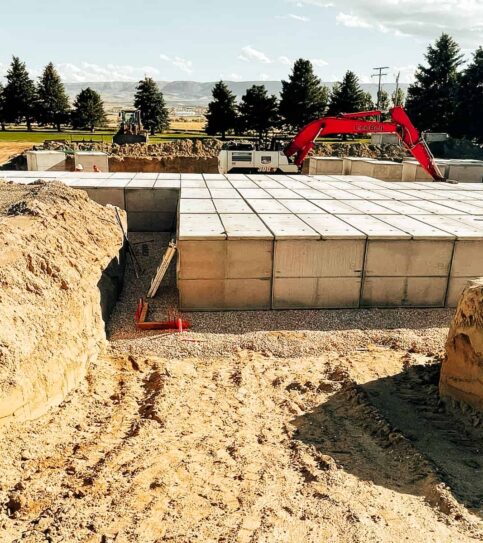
[(55, 244), (462, 371)]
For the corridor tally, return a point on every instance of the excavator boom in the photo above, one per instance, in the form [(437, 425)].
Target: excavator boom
[(360, 123)]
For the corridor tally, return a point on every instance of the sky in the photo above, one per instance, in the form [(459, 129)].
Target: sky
[(207, 40)]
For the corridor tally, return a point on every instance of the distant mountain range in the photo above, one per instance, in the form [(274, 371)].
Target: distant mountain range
[(193, 93)]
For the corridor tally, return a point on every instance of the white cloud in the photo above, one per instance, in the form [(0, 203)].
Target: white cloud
[(301, 18), (425, 19), (406, 73), (90, 72), (284, 60), (182, 64), (263, 77), (352, 21), (319, 62), (235, 77), (249, 53)]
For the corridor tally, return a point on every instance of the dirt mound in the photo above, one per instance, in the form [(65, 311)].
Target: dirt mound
[(55, 245), (206, 148), (384, 152), (462, 371)]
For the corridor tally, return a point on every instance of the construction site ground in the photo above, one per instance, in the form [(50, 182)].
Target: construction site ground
[(288, 426)]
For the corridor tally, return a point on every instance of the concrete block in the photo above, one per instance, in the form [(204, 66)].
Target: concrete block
[(163, 200), (201, 259), (467, 259), (362, 166), (466, 173), (46, 160), (249, 259), (455, 288), (403, 291), (326, 165), (231, 206), (89, 159), (313, 292), (189, 205), (104, 196), (151, 221), (224, 294), (386, 170), (408, 258), (384, 139), (319, 258)]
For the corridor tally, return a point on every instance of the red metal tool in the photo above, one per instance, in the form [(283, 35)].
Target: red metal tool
[(141, 315)]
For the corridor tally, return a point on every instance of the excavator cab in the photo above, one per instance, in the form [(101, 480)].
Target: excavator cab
[(130, 128)]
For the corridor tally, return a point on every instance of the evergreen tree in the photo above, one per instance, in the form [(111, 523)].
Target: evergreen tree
[(2, 108), (368, 103), (150, 101), (19, 94), (347, 96), (222, 113), (470, 99), (88, 110), (52, 100), (258, 110), (303, 97), (383, 99), (397, 97), (431, 100)]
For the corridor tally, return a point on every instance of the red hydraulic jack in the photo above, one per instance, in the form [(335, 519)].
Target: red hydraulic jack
[(140, 319)]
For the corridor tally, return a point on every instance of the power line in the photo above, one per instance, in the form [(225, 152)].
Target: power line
[(379, 75)]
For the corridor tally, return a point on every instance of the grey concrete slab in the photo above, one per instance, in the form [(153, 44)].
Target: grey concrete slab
[(169, 176), (301, 206), (456, 228), (188, 192), (244, 226), (167, 184), (150, 176), (331, 227), (193, 183), (200, 205), (369, 207), (243, 184), (151, 221), (109, 195), (231, 205), (152, 200), (192, 176), (288, 226), (219, 184), (225, 193), (417, 229), (266, 205), (194, 226), (137, 183), (374, 228), (254, 193), (284, 193), (334, 206), (403, 292)]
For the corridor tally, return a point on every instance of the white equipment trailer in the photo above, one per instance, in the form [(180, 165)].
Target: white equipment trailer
[(246, 159)]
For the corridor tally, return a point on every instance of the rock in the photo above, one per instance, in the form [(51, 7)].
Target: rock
[(462, 370)]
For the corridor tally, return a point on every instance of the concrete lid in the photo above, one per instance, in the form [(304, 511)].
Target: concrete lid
[(244, 226), (334, 206), (231, 205), (167, 184), (218, 184), (224, 193), (400, 208), (269, 184), (187, 192), (141, 183), (193, 183), (435, 207), (339, 194), (198, 226), (198, 176), (200, 205), (122, 175), (169, 176), (236, 177), (368, 207), (254, 193), (293, 185), (283, 193), (148, 175), (288, 227), (374, 228), (243, 184), (462, 231), (331, 227), (89, 153), (213, 176), (302, 206), (309, 194), (416, 228), (266, 205), (44, 152)]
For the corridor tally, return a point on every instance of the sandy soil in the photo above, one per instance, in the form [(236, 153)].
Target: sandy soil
[(9, 149), (345, 443)]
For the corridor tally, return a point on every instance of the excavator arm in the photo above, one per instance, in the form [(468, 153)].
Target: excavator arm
[(358, 123)]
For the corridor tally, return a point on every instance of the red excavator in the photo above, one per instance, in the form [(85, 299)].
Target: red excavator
[(244, 158)]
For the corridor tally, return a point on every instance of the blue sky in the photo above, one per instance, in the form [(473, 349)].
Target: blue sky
[(205, 40)]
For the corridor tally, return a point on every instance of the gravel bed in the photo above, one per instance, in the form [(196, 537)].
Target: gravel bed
[(289, 333)]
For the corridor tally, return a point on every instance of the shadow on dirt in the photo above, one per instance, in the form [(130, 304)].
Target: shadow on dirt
[(397, 433)]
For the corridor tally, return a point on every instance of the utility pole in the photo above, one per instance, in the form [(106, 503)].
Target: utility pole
[(396, 93), (379, 75)]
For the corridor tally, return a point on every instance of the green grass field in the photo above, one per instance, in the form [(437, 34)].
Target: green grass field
[(39, 136)]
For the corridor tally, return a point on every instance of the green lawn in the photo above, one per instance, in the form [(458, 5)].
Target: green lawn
[(39, 136)]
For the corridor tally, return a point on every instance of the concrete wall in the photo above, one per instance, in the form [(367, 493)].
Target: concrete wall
[(168, 165), (89, 159), (46, 160)]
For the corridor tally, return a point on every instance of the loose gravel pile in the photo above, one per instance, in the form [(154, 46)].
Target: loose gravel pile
[(280, 333)]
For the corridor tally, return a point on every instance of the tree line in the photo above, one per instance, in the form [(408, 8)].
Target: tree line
[(47, 103), (443, 98)]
